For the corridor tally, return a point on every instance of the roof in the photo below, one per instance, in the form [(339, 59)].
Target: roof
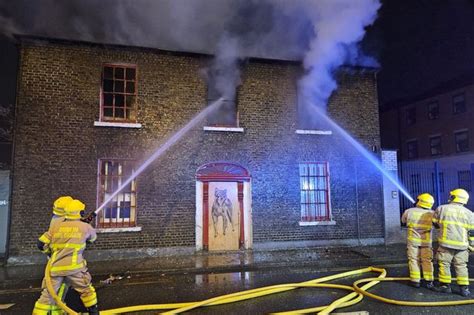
[(42, 39), (444, 87)]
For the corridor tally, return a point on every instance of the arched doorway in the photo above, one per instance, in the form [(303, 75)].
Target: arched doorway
[(223, 207)]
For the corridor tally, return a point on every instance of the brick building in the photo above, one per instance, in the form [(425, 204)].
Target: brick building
[(89, 114), (434, 130)]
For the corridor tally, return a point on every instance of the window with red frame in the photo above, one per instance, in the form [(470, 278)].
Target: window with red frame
[(314, 187), (119, 93), (122, 210)]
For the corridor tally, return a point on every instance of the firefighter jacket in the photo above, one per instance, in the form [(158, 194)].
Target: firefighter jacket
[(54, 219), (67, 241), (419, 223), (455, 222)]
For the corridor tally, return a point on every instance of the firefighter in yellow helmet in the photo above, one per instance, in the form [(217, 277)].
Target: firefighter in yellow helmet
[(455, 223), (67, 240), (58, 208), (58, 215), (419, 243)]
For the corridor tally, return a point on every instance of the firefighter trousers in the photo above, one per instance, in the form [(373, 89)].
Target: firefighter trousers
[(459, 258), (80, 281), (417, 255)]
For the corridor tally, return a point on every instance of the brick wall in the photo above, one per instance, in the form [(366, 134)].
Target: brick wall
[(57, 145)]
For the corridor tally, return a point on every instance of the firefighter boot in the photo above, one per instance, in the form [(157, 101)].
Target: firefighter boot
[(414, 284), (429, 285), (444, 288), (465, 290), (93, 310)]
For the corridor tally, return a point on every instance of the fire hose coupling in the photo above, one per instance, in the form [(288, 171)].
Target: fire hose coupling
[(89, 218)]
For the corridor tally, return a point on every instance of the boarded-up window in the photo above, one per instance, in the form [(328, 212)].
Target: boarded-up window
[(314, 192)]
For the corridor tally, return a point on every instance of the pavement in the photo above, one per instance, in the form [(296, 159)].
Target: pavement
[(17, 277)]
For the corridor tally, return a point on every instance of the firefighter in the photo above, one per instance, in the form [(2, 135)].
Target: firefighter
[(419, 244), (58, 208), (58, 215), (67, 240), (456, 224)]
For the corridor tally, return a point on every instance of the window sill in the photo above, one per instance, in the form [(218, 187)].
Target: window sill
[(116, 124), (313, 132), (119, 230), (226, 129), (311, 223)]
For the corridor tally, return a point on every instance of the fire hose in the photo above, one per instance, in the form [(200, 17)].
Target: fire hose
[(357, 294)]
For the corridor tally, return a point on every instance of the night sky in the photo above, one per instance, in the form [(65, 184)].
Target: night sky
[(419, 43)]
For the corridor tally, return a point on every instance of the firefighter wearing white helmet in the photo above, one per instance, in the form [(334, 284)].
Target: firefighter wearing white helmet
[(67, 240), (456, 223), (419, 243)]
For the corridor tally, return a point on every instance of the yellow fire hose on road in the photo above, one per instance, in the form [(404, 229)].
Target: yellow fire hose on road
[(350, 299)]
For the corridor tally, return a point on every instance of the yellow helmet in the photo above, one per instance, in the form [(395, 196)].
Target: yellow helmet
[(425, 201), (73, 209), (459, 195), (59, 205)]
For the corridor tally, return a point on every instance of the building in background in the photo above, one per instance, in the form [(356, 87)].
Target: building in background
[(434, 138), (89, 114)]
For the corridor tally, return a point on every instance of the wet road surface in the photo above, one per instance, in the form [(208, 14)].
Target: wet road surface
[(171, 288)]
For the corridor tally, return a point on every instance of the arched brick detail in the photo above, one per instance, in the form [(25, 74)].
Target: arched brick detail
[(222, 171)]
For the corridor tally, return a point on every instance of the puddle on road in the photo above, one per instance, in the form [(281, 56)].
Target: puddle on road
[(242, 278)]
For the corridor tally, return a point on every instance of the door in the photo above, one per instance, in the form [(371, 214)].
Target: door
[(223, 207), (224, 218)]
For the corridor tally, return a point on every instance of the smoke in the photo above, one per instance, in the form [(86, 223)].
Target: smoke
[(322, 33), (333, 29), (339, 25)]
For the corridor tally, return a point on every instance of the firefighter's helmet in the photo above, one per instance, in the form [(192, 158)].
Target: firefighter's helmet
[(459, 195), (73, 209), (59, 205), (425, 201)]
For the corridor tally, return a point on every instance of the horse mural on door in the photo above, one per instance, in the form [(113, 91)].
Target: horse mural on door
[(223, 214)]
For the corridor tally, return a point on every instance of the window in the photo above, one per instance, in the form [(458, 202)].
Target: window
[(459, 104), (441, 181), (121, 211), (435, 146), (433, 110), (412, 149), (464, 180), (119, 93), (226, 115), (314, 185), (411, 116), (461, 140)]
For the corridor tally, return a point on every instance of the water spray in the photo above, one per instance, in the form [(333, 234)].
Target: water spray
[(369, 156), (165, 146)]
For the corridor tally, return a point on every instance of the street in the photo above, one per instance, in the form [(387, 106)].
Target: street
[(170, 288)]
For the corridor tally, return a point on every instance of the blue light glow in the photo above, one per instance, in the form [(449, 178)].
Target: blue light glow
[(363, 151)]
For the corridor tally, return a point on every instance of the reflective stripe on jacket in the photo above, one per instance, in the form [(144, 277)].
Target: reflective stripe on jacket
[(67, 240), (419, 223), (455, 221)]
